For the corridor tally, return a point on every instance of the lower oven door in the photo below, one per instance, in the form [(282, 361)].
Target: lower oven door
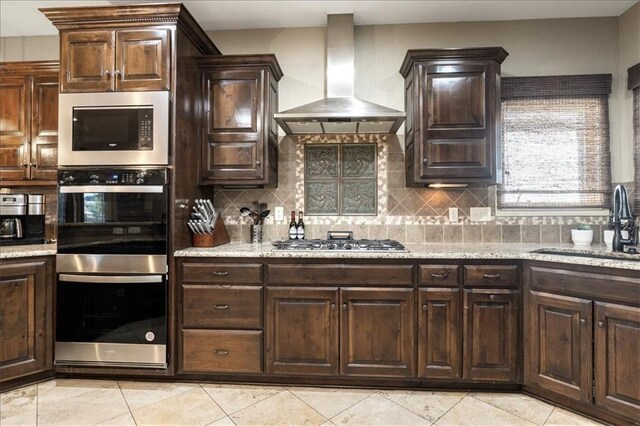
[(116, 320)]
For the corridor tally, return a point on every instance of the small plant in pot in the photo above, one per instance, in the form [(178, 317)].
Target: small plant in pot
[(582, 235)]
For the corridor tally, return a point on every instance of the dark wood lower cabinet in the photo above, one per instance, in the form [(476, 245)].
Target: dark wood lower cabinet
[(617, 358), (559, 355), (25, 317), (302, 331), (439, 333), (377, 333), (490, 335)]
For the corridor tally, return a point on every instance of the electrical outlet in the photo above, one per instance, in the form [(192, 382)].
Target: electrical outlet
[(279, 214), (480, 214), (453, 214)]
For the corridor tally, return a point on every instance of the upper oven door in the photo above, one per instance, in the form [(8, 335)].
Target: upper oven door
[(119, 128), (112, 219)]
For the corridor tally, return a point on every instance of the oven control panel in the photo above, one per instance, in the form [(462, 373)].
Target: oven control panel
[(113, 177)]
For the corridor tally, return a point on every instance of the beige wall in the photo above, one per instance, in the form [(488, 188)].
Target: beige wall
[(629, 47), (536, 47)]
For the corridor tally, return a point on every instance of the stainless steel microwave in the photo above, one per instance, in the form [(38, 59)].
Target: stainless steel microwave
[(113, 129)]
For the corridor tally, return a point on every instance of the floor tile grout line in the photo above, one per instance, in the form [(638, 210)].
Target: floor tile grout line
[(404, 408), (319, 413), (216, 402), (163, 399), (419, 415), (126, 402), (234, 412), (466, 394), (549, 416), (503, 410)]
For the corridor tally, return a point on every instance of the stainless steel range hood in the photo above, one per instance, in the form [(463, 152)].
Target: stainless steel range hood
[(340, 112)]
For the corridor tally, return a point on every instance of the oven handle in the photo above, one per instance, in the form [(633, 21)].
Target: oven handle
[(108, 279), (155, 189)]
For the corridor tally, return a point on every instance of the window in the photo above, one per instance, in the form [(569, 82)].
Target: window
[(634, 84), (555, 135)]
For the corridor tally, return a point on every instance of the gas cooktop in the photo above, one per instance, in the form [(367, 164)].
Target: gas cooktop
[(340, 245)]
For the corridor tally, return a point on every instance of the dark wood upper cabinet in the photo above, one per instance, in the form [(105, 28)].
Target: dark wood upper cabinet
[(302, 331), (115, 60), (491, 336), (560, 345), (25, 317), (239, 146), (377, 332), (439, 333), (452, 100), (617, 358), (28, 121)]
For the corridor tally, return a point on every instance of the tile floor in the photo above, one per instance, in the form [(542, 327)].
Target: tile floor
[(89, 402)]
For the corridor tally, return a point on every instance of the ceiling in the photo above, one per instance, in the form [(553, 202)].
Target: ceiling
[(22, 18)]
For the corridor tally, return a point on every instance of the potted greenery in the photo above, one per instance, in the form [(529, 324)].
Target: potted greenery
[(582, 235)]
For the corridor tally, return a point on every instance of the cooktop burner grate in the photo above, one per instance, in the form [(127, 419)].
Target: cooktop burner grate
[(340, 245)]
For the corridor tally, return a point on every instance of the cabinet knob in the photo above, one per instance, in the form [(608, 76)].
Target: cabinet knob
[(424, 307), (583, 320), (107, 74), (601, 324), (258, 162), (222, 352), (425, 161), (333, 306), (118, 74), (344, 306), (492, 297)]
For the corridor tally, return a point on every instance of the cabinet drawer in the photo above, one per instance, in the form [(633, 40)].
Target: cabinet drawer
[(222, 351), (249, 273), (222, 307), (491, 275), (439, 275), (586, 284), (336, 274)]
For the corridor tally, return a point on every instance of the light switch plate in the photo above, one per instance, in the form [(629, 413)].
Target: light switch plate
[(453, 214), (480, 214), (279, 214)]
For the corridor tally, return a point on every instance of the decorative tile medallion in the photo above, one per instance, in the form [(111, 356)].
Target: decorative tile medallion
[(359, 197), (321, 198)]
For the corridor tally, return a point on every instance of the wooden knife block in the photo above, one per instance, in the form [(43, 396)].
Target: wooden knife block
[(217, 238)]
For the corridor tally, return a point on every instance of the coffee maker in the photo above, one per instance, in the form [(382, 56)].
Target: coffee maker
[(21, 219)]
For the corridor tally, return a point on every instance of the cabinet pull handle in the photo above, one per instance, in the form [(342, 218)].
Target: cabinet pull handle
[(118, 74), (222, 352), (25, 164), (107, 74), (442, 276), (492, 276), (583, 320), (221, 306), (424, 307), (601, 324), (221, 273), (492, 297)]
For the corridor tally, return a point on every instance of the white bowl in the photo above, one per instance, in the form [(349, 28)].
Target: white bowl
[(582, 237)]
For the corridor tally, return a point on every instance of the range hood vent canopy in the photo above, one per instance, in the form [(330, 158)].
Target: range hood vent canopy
[(340, 112)]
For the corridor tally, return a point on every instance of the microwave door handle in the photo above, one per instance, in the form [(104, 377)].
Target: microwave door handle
[(19, 233), (79, 189), (109, 279)]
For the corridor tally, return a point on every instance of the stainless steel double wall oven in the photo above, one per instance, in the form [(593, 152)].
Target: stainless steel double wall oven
[(111, 293)]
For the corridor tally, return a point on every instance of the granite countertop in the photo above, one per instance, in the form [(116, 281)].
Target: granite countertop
[(577, 256), (33, 250)]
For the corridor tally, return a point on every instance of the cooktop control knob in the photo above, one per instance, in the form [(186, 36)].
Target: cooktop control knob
[(347, 246), (331, 246), (141, 177)]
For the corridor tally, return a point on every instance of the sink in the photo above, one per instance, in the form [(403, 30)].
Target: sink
[(589, 253)]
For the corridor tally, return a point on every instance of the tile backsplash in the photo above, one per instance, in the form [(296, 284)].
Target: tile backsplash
[(405, 214)]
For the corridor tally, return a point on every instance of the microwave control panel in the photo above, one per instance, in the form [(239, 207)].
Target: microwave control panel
[(113, 177), (145, 128)]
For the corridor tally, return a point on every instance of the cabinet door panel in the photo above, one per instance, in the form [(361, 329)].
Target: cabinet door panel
[(456, 98), (142, 60), (23, 319), (560, 345), (87, 61), (302, 331), (234, 149), (491, 335), (377, 332), (440, 333), (617, 358), (44, 128), (14, 127)]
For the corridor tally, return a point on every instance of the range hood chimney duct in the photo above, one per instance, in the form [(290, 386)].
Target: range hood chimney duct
[(340, 112)]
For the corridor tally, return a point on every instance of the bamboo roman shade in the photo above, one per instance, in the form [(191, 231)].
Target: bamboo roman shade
[(633, 83), (555, 136)]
